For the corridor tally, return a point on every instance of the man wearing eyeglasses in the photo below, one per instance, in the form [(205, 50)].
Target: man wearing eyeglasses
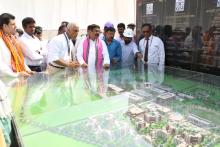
[(151, 47)]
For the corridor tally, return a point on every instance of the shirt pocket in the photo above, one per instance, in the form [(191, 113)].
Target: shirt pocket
[(154, 50)]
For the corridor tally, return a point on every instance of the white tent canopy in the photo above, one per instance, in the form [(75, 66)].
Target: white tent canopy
[(50, 13)]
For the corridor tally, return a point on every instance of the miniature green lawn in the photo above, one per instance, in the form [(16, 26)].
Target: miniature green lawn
[(40, 107)]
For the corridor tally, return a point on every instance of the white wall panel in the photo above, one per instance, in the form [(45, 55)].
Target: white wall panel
[(49, 13)]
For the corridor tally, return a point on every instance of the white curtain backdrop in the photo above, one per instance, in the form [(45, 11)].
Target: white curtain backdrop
[(50, 13)]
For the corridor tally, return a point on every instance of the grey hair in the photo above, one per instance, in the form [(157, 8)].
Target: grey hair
[(71, 25)]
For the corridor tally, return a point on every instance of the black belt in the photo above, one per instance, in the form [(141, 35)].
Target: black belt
[(56, 66)]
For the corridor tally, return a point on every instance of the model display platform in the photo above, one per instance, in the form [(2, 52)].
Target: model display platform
[(126, 107)]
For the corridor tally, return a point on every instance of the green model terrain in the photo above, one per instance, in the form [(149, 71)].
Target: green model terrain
[(43, 104)]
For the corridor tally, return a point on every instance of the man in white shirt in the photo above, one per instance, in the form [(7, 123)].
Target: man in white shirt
[(151, 47), (93, 51), (129, 48), (31, 45), (11, 57), (61, 51), (39, 33)]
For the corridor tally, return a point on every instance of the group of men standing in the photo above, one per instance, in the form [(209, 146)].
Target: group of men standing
[(20, 56)]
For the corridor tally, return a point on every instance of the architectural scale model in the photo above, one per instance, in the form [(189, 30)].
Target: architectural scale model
[(159, 124)]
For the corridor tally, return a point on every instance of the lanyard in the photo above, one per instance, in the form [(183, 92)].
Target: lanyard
[(68, 45)]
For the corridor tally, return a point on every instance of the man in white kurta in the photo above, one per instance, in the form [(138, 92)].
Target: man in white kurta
[(8, 28), (93, 38), (5, 60)]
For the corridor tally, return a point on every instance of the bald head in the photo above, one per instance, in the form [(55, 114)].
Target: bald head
[(72, 30)]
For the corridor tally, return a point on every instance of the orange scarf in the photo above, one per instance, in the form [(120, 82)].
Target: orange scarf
[(17, 58)]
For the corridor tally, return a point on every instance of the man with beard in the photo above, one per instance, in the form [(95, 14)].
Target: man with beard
[(92, 51), (114, 47), (129, 49)]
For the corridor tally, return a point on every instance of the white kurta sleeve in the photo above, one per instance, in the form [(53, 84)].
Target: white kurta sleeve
[(5, 69), (79, 53), (161, 53), (54, 47), (105, 54)]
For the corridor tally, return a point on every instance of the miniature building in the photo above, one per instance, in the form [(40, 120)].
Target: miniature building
[(170, 129), (140, 125), (165, 88), (182, 145), (176, 117), (139, 118), (186, 96), (163, 110), (135, 111), (166, 96), (155, 89), (147, 84), (152, 106), (151, 118), (179, 142), (194, 139), (162, 134), (115, 88), (135, 98), (199, 121), (142, 93)]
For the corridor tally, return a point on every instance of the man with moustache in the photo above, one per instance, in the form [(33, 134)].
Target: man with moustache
[(129, 49), (114, 47), (11, 56), (92, 51), (151, 47), (61, 51), (31, 45)]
